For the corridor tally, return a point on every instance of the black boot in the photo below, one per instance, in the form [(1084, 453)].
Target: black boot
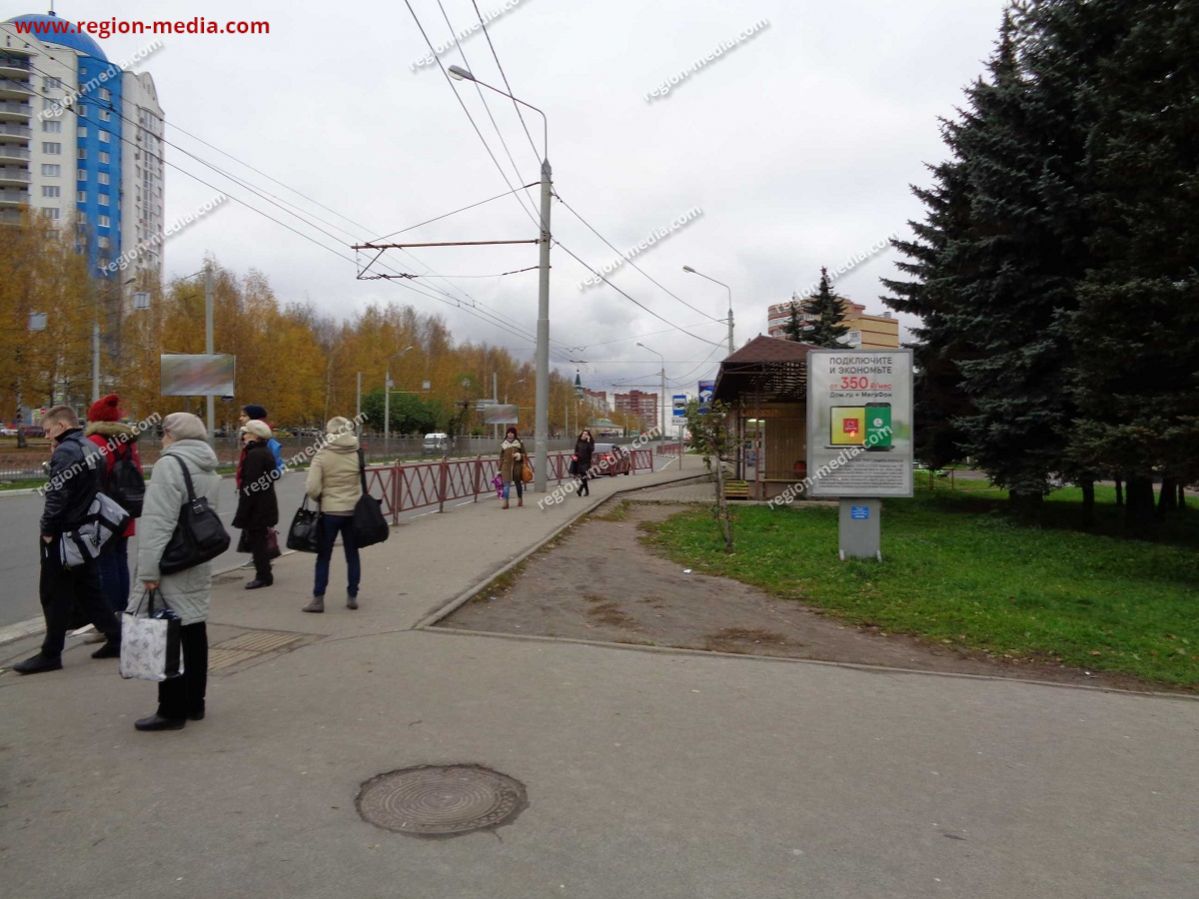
[(38, 663), (157, 722)]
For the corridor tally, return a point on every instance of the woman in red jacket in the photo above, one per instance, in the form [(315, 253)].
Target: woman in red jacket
[(116, 441)]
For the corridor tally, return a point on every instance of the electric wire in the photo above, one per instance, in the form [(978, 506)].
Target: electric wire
[(448, 214), (507, 86)]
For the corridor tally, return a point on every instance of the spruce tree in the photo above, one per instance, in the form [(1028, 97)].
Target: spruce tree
[(794, 328), (1136, 331), (825, 316)]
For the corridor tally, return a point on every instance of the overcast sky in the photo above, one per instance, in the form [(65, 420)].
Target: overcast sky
[(798, 146)]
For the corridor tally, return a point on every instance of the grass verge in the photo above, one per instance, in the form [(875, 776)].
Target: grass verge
[(959, 570)]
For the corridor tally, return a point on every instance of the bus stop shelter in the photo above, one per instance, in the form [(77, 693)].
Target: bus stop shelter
[(765, 383)]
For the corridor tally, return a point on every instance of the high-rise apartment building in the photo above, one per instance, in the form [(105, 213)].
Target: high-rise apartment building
[(641, 404), (868, 332), (81, 143)]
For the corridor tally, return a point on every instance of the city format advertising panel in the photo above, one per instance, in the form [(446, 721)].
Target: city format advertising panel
[(860, 423), (198, 374)]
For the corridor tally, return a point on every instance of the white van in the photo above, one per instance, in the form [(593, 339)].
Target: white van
[(437, 442)]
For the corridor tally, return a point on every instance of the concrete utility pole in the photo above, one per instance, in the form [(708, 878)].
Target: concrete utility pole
[(662, 396), (208, 336), (387, 401), (688, 268)]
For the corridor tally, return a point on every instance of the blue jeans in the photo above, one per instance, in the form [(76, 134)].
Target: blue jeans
[(520, 489), (114, 573), (331, 526)]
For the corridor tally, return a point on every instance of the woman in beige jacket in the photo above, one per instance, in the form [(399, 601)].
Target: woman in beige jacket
[(334, 482)]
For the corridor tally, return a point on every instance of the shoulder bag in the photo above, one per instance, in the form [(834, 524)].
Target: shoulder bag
[(199, 536), (370, 527)]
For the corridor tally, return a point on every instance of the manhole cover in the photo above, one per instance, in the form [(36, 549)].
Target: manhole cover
[(440, 800)]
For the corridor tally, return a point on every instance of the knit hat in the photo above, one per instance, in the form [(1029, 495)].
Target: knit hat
[(184, 426), (256, 413), (257, 428), (105, 409)]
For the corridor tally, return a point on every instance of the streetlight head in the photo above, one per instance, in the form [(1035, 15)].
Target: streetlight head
[(688, 268), (461, 74)]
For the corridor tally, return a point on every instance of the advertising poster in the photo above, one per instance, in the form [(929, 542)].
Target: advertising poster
[(860, 423), (679, 405), (198, 375), (499, 414), (706, 389)]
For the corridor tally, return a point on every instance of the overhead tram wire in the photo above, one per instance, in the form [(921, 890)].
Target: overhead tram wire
[(448, 214), (470, 301), (433, 51), (507, 86), (482, 98), (610, 245), (635, 302), (504, 326)]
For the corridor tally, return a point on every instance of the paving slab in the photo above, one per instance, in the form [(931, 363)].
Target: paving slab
[(649, 773)]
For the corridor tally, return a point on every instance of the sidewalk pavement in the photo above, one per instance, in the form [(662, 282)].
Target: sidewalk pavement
[(649, 773)]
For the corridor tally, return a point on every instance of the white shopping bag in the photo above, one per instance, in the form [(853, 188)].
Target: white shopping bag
[(150, 645)]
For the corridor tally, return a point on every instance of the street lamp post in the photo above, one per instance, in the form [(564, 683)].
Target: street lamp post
[(662, 401), (387, 401), (688, 268), (208, 337), (541, 403)]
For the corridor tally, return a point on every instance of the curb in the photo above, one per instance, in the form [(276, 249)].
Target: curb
[(438, 612)]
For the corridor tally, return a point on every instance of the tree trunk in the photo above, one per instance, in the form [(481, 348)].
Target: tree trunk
[(722, 507), (1138, 505), (1088, 501), (1119, 492), (1168, 498), (1182, 497)]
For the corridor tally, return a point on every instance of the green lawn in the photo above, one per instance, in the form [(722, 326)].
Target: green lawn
[(958, 569)]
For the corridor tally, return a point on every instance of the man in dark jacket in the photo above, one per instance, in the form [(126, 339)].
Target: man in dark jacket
[(74, 481)]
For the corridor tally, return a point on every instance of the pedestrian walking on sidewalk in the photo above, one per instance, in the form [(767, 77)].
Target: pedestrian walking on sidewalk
[(257, 506), (188, 592), (334, 482), (581, 462), (118, 444), (74, 481), (512, 462)]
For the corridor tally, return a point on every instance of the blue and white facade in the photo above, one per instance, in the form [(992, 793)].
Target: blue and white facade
[(81, 143)]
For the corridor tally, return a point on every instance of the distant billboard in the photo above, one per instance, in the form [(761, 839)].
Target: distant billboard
[(499, 414), (198, 374)]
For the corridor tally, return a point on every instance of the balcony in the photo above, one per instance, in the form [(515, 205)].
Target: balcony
[(10, 109), (10, 216), (13, 65), (14, 90), (11, 199), (8, 129), (14, 176), (11, 152)]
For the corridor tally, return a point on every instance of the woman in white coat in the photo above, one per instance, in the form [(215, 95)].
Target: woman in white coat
[(189, 592)]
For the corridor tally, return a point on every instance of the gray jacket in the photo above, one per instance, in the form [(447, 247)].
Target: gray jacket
[(187, 592)]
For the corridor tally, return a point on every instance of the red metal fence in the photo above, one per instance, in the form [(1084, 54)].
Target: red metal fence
[(425, 484)]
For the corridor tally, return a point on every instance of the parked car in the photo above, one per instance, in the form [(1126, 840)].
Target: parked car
[(610, 459), (436, 442)]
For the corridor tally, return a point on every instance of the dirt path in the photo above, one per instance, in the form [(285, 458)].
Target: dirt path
[(598, 582)]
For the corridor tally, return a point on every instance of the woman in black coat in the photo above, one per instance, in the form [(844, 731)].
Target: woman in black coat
[(584, 447), (257, 507)]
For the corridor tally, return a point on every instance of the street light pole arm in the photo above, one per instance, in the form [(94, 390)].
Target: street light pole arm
[(459, 72)]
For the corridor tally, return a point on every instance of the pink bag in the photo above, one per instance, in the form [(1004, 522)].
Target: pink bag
[(498, 484)]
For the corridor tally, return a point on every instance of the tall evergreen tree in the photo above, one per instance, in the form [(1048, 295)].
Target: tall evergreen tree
[(824, 312), (794, 328), (1136, 330)]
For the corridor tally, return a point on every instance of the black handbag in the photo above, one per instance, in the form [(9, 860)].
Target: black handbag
[(199, 536), (304, 535), (272, 543), (369, 524)]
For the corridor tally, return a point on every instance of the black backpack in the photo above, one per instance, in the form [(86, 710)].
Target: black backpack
[(126, 486)]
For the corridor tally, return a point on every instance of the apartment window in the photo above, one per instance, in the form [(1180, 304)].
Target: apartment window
[(50, 190), (103, 199), (51, 148), (102, 221), (81, 196), (52, 127), (102, 177), (81, 154), (82, 132), (81, 175), (51, 169), (102, 242), (105, 115), (51, 83), (82, 111), (50, 212), (103, 158), (105, 94), (104, 137)]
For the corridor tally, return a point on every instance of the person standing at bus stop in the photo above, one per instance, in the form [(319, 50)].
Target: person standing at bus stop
[(512, 463)]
